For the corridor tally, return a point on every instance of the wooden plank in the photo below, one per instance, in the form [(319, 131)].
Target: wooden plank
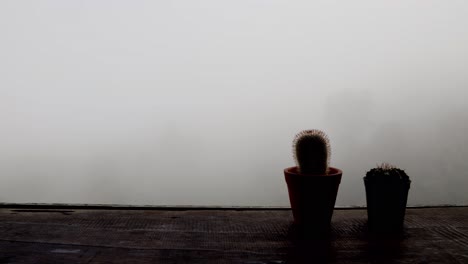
[(432, 235)]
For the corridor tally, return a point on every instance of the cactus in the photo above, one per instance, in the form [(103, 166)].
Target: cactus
[(386, 171), (311, 150)]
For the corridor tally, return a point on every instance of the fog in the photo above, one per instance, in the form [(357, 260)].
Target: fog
[(197, 102)]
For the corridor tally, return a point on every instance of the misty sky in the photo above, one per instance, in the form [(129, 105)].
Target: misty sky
[(197, 102)]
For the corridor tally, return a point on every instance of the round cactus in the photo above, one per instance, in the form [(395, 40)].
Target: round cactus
[(386, 172), (311, 150)]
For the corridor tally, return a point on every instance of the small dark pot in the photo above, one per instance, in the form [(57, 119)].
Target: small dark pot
[(386, 204), (312, 198)]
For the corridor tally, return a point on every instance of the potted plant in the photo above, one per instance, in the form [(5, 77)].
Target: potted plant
[(386, 193), (312, 184)]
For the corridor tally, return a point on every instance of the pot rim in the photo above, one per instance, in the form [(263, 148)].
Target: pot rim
[(333, 172), (384, 181)]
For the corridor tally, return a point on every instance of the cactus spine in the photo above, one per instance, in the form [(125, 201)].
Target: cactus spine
[(311, 150)]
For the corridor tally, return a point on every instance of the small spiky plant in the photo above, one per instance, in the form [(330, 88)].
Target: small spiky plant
[(311, 150), (386, 171)]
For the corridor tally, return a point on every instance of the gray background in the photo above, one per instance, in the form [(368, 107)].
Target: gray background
[(197, 102)]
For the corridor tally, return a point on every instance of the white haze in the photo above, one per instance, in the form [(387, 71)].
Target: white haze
[(197, 102)]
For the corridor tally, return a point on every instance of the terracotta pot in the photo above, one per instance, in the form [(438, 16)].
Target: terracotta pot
[(312, 197), (386, 204)]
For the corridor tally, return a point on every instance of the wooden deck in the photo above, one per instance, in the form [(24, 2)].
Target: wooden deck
[(432, 235)]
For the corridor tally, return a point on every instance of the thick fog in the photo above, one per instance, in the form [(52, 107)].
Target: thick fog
[(197, 102)]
